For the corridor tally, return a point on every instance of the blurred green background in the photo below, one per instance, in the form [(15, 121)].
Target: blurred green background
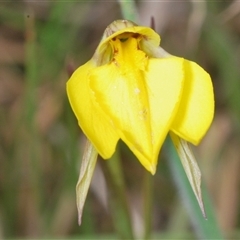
[(41, 43)]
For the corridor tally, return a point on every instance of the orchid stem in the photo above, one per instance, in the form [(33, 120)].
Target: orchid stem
[(148, 204), (129, 10), (118, 201)]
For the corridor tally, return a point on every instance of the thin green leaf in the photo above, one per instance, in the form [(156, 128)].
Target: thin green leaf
[(86, 172), (205, 229), (190, 167)]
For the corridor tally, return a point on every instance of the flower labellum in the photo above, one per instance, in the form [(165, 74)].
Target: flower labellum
[(133, 90)]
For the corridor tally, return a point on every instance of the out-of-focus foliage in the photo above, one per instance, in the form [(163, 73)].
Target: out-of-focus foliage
[(41, 42)]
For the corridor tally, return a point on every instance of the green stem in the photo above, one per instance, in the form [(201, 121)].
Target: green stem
[(129, 12), (119, 207), (148, 204), (128, 9)]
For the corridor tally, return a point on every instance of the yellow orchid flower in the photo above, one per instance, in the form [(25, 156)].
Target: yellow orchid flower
[(133, 90)]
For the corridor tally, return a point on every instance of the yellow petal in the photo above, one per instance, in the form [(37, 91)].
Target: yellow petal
[(141, 97), (91, 120), (120, 91), (164, 79), (196, 110)]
